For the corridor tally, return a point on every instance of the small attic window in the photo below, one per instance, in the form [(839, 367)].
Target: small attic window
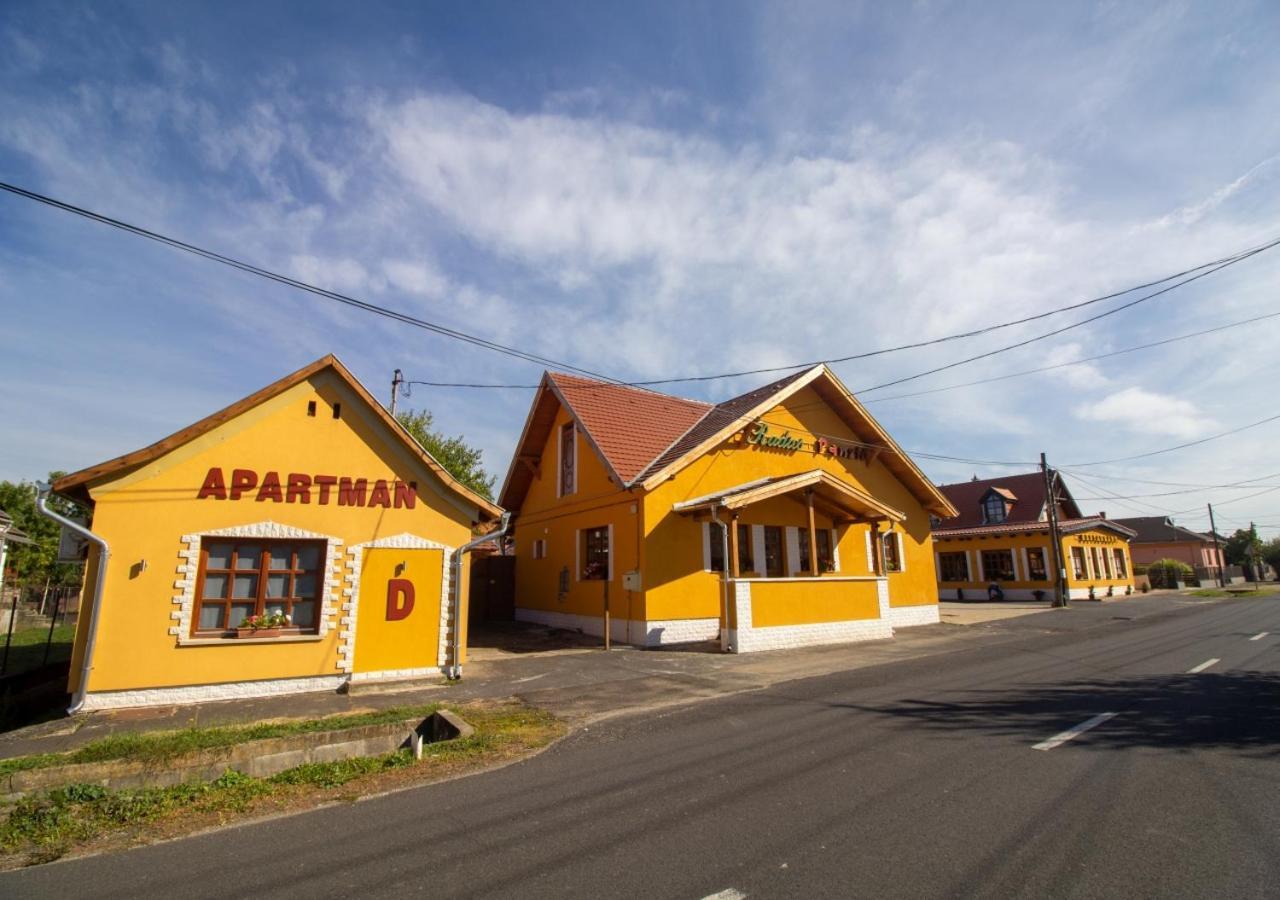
[(311, 408), (337, 410), (994, 509)]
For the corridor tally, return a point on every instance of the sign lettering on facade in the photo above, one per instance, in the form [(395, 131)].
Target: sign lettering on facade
[(400, 597), (759, 435), (299, 488)]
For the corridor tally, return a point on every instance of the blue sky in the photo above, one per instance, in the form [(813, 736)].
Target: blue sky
[(651, 190)]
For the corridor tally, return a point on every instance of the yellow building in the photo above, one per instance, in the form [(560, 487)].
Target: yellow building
[(304, 508), (628, 503), (1000, 544)]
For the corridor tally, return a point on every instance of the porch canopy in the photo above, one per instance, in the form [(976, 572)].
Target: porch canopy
[(827, 494)]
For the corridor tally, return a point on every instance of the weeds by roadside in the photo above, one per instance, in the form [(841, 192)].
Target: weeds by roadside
[(45, 826), (158, 746)]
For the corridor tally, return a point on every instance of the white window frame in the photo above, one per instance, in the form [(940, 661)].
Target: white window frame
[(902, 557)]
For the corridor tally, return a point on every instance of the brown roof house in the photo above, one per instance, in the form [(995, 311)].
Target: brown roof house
[(999, 546)]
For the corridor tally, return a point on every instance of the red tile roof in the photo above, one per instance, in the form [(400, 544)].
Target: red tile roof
[(966, 496), (629, 426), (1066, 526)]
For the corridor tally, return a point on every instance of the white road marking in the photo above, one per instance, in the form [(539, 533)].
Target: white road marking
[(1260, 635), (1204, 665), (531, 678), (1063, 736), (726, 894)]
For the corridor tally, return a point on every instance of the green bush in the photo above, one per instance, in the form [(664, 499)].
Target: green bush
[(1168, 572)]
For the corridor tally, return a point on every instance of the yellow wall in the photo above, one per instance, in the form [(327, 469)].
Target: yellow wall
[(383, 642), (598, 501), (674, 543), (1018, 542), (811, 602), (144, 513)]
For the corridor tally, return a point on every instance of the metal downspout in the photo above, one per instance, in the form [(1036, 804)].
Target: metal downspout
[(456, 672), (724, 574), (86, 665)]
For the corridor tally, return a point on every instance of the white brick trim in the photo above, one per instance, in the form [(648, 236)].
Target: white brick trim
[(871, 558), (351, 604), (189, 567), (835, 551), (205, 693), (706, 546), (911, 616)]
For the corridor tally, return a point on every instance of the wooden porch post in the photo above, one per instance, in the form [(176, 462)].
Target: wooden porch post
[(877, 549), (813, 537), (733, 545)]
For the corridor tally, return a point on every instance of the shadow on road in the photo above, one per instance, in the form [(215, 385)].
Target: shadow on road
[(1232, 710)]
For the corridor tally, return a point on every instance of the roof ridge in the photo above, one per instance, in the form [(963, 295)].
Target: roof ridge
[(631, 387)]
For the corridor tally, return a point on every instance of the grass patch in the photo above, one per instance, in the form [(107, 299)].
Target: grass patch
[(45, 826), (160, 746), (1220, 592), (26, 647)]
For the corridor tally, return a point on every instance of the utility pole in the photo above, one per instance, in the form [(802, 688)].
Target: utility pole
[(397, 379), (1217, 551), (1060, 595), (1254, 566)]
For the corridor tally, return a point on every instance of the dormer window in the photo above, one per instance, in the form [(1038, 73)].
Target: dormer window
[(994, 509)]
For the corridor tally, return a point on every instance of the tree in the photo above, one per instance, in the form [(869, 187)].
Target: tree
[(1271, 553), (460, 459), (1238, 546), (38, 562)]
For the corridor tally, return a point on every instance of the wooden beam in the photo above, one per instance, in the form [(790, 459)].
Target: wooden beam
[(877, 550), (733, 547), (813, 536)]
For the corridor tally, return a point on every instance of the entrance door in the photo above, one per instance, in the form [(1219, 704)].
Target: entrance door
[(398, 616), (773, 562)]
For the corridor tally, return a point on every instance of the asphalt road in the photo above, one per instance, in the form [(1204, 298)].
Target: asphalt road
[(912, 779)]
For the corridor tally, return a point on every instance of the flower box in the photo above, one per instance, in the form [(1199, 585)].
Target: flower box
[(258, 632)]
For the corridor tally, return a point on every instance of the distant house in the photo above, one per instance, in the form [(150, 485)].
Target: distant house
[(1001, 540), (1158, 538)]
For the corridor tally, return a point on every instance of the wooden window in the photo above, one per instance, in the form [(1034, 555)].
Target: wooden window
[(892, 552), (1122, 571), (568, 460), (826, 559), (1035, 562), (242, 578), (540, 549), (746, 553), (997, 565), (1097, 566), (804, 550), (993, 509), (595, 554), (1077, 563), (715, 547), (774, 564), (954, 566)]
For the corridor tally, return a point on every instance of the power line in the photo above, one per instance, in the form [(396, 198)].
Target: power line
[(1110, 477), (1074, 362), (1194, 272), (1212, 437), (1074, 325), (345, 299)]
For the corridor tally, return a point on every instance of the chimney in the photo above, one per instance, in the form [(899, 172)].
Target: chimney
[(1102, 515)]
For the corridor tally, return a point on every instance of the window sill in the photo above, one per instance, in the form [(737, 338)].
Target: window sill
[(222, 641)]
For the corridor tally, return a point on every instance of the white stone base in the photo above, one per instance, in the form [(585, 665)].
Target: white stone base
[(782, 637), (641, 633), (207, 693), (391, 674), (910, 616)]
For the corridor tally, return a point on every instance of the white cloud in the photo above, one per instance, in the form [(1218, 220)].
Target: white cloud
[(1147, 412)]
